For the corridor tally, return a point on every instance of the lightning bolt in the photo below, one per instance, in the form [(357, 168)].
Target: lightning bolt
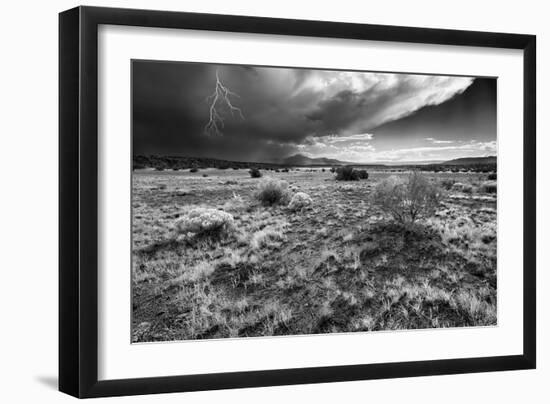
[(219, 98)]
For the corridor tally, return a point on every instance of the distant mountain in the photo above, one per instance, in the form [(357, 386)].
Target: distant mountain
[(408, 163), (467, 161), (301, 160)]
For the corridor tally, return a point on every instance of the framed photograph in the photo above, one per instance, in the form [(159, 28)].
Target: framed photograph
[(252, 202)]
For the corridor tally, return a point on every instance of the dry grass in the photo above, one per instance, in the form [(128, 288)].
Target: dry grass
[(337, 266)]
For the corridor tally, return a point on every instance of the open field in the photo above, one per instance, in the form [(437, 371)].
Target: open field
[(339, 265)]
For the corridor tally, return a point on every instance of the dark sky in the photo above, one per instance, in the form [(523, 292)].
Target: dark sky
[(352, 116)]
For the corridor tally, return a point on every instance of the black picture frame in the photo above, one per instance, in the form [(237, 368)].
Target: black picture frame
[(78, 201)]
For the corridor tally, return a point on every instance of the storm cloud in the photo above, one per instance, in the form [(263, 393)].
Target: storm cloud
[(286, 111)]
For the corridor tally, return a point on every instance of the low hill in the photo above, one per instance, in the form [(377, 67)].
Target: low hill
[(466, 161), (301, 160)]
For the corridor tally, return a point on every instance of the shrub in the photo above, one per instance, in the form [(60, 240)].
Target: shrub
[(460, 187), (492, 177), (255, 173), (347, 173), (198, 272), (205, 221), (447, 184), (193, 170), (272, 191), (205, 175), (489, 187), (407, 199), (285, 170), (265, 238), (363, 174), (299, 201)]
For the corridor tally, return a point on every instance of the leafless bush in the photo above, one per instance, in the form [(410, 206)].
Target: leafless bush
[(272, 191), (408, 199)]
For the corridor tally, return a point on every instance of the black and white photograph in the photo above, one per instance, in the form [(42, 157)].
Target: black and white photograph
[(282, 201)]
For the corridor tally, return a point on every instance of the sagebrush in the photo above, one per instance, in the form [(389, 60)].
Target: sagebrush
[(300, 200), (204, 221)]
